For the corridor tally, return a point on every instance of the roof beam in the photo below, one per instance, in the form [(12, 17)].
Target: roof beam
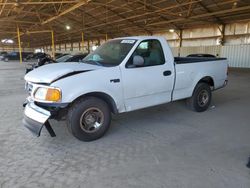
[(38, 3), (82, 2), (129, 21), (203, 15), (218, 20), (144, 14), (161, 15), (3, 5)]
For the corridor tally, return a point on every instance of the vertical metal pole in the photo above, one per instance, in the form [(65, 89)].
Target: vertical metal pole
[(19, 44), (223, 35), (53, 44), (82, 41), (106, 20), (88, 47), (180, 44)]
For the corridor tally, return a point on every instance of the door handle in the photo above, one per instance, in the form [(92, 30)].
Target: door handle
[(167, 73), (115, 80)]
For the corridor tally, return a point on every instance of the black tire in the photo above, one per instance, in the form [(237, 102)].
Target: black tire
[(89, 109), (197, 102)]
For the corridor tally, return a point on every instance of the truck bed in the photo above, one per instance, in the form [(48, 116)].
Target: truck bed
[(182, 60)]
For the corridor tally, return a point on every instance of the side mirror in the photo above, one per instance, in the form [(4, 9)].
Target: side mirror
[(138, 61)]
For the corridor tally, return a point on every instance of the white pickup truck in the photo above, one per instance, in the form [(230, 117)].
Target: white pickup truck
[(122, 75)]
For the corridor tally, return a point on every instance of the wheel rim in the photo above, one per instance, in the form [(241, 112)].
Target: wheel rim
[(203, 98), (91, 120)]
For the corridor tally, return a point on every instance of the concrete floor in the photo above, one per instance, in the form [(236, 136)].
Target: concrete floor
[(164, 146)]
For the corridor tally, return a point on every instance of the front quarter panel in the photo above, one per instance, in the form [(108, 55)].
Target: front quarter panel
[(99, 80)]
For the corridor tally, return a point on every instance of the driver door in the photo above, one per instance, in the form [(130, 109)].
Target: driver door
[(150, 84)]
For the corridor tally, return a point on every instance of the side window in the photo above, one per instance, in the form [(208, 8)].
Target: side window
[(151, 51)]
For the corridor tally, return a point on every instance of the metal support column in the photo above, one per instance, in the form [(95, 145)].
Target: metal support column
[(88, 47), (53, 44), (223, 35), (19, 45), (180, 43), (82, 41)]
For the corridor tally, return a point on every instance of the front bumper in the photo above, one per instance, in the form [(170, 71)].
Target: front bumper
[(35, 118)]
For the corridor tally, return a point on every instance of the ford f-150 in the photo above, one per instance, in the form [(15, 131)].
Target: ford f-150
[(122, 75)]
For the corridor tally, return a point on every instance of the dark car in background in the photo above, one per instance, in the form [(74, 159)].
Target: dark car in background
[(37, 55), (58, 55), (71, 58), (48, 60), (2, 54), (16, 56)]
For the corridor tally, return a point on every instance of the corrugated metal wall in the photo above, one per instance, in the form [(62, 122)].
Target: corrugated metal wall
[(238, 55), (200, 49)]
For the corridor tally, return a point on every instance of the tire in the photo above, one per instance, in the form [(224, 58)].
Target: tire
[(201, 98), (89, 119)]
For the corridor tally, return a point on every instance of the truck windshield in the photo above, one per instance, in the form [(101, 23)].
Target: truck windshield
[(110, 53)]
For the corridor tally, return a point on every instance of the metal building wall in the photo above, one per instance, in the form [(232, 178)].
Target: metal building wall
[(201, 49), (237, 55)]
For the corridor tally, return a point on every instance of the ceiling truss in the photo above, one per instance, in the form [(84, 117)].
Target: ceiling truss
[(112, 17)]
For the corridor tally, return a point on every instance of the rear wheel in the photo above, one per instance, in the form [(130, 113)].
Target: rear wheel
[(201, 98), (89, 118)]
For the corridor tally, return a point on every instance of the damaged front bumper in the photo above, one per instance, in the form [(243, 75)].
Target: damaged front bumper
[(35, 118)]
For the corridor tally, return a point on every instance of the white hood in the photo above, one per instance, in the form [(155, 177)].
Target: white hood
[(49, 73)]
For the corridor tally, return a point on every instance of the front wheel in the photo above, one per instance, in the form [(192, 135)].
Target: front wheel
[(201, 98), (89, 118)]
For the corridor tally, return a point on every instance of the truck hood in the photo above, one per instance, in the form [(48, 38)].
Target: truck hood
[(49, 73)]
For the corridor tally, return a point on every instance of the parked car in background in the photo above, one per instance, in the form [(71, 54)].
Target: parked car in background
[(71, 58), (202, 55), (77, 58), (2, 55), (39, 55), (64, 58), (58, 55), (42, 60), (16, 56), (47, 60), (35, 56), (122, 75)]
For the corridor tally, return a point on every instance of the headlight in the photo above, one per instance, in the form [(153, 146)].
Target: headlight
[(48, 94)]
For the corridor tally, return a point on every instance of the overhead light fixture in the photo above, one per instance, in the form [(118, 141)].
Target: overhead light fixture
[(7, 41), (68, 27), (235, 4), (16, 3), (171, 30), (94, 47)]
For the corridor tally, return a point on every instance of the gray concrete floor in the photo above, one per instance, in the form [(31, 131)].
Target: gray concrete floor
[(164, 146)]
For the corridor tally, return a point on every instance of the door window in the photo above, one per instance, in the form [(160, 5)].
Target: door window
[(151, 51)]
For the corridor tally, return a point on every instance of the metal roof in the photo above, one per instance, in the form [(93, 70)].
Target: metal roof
[(96, 18)]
